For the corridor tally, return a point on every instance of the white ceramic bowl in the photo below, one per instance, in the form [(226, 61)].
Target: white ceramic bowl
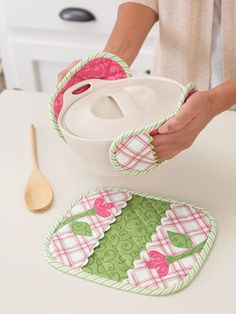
[(91, 120)]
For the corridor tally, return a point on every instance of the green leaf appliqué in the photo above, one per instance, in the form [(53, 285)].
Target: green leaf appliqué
[(180, 240), (82, 228)]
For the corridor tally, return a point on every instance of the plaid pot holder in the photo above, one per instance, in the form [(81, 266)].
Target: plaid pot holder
[(131, 241), (132, 152)]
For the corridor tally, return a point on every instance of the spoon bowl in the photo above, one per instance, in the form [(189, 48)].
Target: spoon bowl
[(38, 192)]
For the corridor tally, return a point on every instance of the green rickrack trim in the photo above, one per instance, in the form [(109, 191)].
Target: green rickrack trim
[(134, 227), (146, 129), (69, 75), (154, 154), (121, 285)]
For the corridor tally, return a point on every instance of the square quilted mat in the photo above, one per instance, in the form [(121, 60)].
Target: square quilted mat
[(131, 241)]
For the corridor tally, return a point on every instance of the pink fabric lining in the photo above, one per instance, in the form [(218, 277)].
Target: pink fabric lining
[(100, 68)]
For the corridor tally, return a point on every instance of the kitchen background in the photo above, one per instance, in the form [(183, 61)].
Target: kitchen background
[(39, 38)]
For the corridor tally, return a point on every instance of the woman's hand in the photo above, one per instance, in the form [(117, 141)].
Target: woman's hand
[(179, 132), (128, 33)]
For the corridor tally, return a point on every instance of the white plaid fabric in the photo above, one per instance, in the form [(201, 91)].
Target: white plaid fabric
[(73, 250), (181, 219), (135, 153)]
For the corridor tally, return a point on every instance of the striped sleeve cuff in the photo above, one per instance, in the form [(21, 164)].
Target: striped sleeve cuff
[(153, 4)]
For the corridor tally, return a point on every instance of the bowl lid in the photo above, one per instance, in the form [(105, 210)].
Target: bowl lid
[(99, 65), (100, 110)]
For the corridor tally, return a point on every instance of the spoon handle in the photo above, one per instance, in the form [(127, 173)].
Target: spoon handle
[(33, 146)]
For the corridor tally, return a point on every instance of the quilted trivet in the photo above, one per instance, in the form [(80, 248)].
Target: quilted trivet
[(131, 241)]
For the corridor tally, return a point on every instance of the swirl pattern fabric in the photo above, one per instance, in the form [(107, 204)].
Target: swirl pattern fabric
[(128, 235), (180, 219), (102, 68), (132, 241), (73, 250)]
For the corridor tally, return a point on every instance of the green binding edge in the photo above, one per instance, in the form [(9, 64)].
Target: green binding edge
[(146, 129), (123, 286), (70, 73)]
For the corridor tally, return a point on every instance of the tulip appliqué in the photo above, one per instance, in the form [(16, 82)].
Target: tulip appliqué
[(100, 208), (161, 262)]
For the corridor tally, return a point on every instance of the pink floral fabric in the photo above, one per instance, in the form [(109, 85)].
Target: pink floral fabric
[(100, 68)]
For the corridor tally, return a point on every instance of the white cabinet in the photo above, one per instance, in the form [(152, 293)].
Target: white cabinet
[(35, 63), (44, 14), (37, 43)]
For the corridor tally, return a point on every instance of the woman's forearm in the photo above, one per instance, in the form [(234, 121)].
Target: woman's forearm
[(134, 21), (223, 96)]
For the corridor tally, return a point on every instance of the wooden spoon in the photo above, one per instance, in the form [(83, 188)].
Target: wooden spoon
[(38, 192)]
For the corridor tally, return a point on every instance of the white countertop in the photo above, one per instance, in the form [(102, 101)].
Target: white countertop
[(204, 174)]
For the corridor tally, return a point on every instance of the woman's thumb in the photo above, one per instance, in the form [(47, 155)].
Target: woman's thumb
[(179, 121)]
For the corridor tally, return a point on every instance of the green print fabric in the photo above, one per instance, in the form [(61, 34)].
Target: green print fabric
[(127, 237)]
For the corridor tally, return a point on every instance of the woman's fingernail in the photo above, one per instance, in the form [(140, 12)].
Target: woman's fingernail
[(154, 132), (163, 129)]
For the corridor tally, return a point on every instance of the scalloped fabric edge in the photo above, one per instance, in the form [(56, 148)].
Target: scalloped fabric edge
[(86, 213), (153, 291), (173, 248)]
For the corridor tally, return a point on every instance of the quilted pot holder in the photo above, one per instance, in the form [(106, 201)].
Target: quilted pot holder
[(132, 152), (131, 241), (102, 65)]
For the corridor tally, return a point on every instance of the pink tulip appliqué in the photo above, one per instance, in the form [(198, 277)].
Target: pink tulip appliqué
[(102, 208), (161, 262), (158, 262)]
